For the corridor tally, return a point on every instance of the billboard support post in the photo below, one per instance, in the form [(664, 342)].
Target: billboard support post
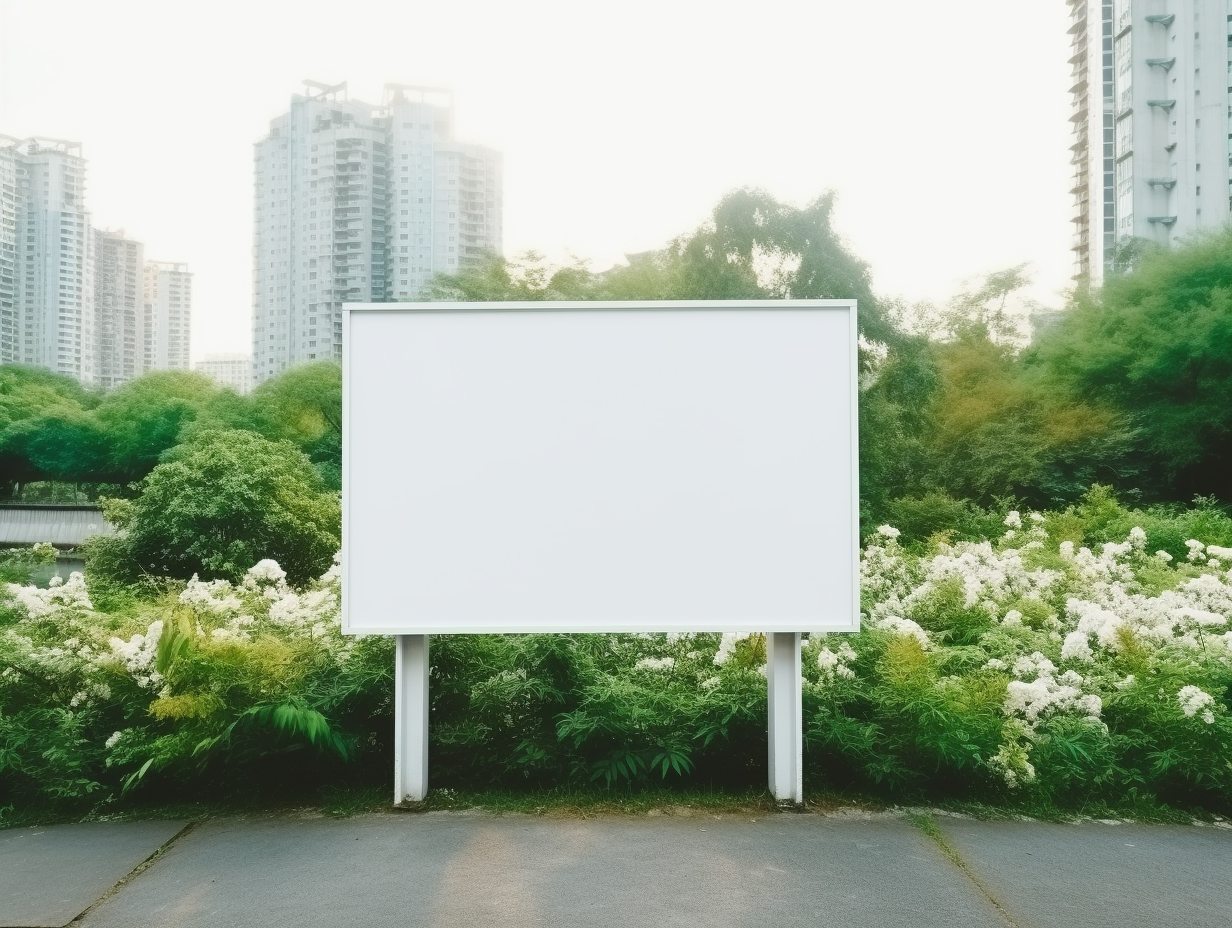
[(785, 734), (410, 718)]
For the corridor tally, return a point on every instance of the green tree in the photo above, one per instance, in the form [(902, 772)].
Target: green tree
[(304, 405), (755, 247), (752, 248), (897, 417), (65, 445), (144, 417), (1155, 344), (528, 277), (224, 500), (32, 401)]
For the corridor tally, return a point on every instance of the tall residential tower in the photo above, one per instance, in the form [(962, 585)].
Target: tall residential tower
[(119, 308), (168, 315), (1152, 114), (46, 266), (360, 203)]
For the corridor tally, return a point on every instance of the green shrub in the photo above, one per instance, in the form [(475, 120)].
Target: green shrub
[(222, 501), (1028, 669), (919, 518)]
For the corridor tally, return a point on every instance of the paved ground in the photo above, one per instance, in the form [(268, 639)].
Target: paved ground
[(1101, 876), (48, 876), (473, 869)]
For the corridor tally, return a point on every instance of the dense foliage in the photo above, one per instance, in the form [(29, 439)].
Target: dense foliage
[(1052, 664), (53, 429), (215, 505), (1156, 346)]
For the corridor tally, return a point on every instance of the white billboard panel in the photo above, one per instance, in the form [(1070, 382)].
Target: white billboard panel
[(600, 467)]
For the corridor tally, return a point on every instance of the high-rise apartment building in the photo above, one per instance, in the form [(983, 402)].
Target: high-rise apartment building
[(11, 266), (119, 308), (168, 315), (228, 370), (361, 203), (46, 266), (1152, 114)]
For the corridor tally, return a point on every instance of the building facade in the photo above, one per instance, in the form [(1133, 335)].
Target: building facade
[(360, 203), (228, 370), (1152, 115), (168, 315), (46, 259), (74, 299), (119, 308)]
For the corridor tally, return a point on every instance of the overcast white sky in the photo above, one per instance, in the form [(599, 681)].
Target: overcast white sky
[(943, 128)]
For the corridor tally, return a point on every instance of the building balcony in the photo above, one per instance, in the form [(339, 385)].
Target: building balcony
[(1161, 220), (1162, 19), (1166, 182), (1165, 63), (1165, 105)]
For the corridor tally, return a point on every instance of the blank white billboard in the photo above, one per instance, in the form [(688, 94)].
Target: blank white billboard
[(600, 467)]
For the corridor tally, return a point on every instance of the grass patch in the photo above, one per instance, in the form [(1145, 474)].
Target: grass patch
[(587, 803), (342, 801), (345, 801), (1146, 810)]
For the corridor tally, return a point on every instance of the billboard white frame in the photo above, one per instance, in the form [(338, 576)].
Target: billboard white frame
[(820, 616), (785, 719)]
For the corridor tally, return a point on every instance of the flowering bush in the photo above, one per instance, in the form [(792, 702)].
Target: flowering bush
[(1032, 667), (1027, 664), (216, 679)]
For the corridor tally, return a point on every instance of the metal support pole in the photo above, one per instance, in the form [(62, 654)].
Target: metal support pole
[(410, 718), (785, 716)]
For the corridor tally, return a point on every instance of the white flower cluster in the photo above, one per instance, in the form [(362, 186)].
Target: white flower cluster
[(1037, 692), (315, 611), (138, 655), (1210, 555), (216, 596), (1192, 616), (655, 663), (264, 595), (59, 595), (70, 663), (1195, 700), (988, 577), (266, 574), (727, 646), (834, 664)]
